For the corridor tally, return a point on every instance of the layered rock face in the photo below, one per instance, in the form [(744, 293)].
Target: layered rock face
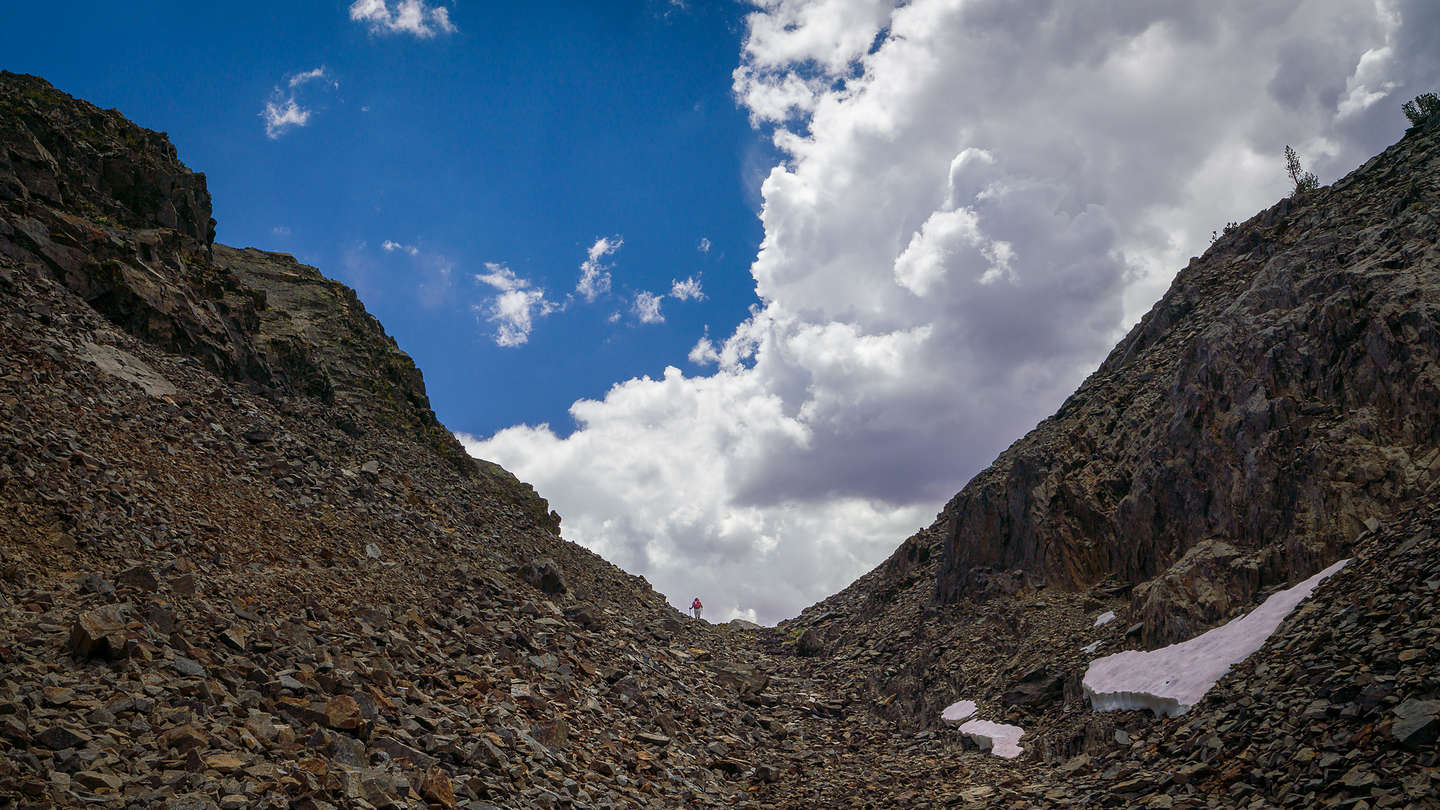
[(1285, 391), (110, 212), (1275, 412)]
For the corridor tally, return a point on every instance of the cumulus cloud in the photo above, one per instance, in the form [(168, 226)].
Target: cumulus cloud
[(647, 307), (283, 110), (594, 273), (687, 290), (975, 200), (414, 17), (514, 308), (704, 353)]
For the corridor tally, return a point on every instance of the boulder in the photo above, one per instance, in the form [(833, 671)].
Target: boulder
[(99, 633), (1417, 723), (544, 574), (810, 644)]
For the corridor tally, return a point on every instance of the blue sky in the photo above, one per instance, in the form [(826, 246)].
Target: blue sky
[(927, 221), (519, 138)]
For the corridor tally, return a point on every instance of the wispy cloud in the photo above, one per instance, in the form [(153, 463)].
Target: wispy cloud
[(704, 246), (647, 307), (687, 290), (281, 114), (283, 110), (316, 75), (414, 17), (516, 306), (594, 273), (391, 246)]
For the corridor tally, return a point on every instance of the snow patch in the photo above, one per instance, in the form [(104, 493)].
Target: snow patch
[(997, 738), (1090, 648), (957, 712), (1105, 618), (1170, 680)]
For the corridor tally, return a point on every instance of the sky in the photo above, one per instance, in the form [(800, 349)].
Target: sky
[(748, 291)]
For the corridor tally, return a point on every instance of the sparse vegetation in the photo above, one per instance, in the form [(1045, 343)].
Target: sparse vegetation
[(1229, 226), (1422, 108), (1304, 181)]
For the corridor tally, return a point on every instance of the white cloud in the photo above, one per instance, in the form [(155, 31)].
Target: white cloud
[(316, 75), (687, 290), (283, 110), (647, 307), (280, 230), (516, 306), (704, 246), (704, 353), (280, 114), (976, 199), (414, 17), (594, 273), (391, 246)]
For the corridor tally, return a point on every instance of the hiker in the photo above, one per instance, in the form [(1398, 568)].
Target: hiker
[(696, 607)]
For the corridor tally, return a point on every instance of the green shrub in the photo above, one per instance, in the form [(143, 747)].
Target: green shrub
[(1422, 108), (1304, 181)]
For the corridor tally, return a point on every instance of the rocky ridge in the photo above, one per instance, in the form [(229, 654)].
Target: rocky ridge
[(1281, 401)]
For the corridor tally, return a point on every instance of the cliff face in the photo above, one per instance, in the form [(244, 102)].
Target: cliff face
[(110, 212), (1278, 409), (1285, 391)]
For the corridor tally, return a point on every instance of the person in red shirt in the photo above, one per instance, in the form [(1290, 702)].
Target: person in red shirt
[(696, 607)]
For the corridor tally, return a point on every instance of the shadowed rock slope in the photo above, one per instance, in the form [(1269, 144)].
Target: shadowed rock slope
[(1277, 410), (243, 565)]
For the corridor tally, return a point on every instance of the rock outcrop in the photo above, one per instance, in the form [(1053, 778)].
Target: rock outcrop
[(1282, 397)]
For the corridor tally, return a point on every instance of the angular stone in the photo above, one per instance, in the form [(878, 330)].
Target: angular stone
[(1417, 723), (58, 738), (188, 667), (140, 578), (99, 633), (436, 788), (184, 739), (544, 574), (343, 713)]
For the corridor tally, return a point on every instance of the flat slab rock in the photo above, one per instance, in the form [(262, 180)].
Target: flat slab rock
[(1170, 680)]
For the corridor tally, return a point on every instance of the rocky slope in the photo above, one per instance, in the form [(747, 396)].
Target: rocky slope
[(1277, 410), (242, 565), (1282, 393)]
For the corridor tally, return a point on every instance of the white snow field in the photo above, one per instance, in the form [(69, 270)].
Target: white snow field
[(997, 738), (1170, 680), (956, 713)]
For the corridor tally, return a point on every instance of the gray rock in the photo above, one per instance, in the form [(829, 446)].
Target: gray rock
[(544, 574), (1417, 722)]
